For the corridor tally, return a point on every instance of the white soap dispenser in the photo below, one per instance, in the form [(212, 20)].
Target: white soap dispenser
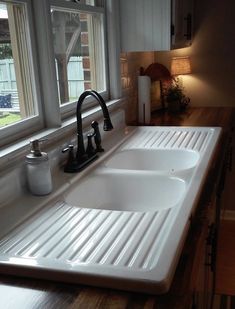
[(38, 170)]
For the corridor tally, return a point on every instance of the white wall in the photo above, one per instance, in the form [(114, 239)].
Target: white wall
[(212, 82)]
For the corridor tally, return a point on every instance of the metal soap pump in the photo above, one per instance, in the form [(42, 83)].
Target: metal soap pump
[(38, 170)]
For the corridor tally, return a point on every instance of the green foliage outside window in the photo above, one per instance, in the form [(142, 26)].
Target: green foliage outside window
[(5, 51)]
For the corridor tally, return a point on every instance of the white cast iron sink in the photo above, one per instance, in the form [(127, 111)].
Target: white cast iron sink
[(163, 160), (123, 223), (127, 192)]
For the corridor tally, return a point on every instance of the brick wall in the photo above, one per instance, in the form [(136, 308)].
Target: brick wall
[(85, 51)]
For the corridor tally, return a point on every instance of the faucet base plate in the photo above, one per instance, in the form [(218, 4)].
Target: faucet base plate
[(79, 166)]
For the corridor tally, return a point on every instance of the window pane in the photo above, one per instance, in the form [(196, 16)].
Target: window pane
[(16, 89), (79, 52), (99, 3)]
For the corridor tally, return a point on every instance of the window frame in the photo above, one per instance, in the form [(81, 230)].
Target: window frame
[(17, 130), (43, 64), (67, 109)]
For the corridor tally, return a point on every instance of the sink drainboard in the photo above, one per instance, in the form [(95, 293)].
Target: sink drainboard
[(100, 237), (132, 250)]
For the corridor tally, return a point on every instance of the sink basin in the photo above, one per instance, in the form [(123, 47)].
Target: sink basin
[(127, 192), (119, 226), (169, 160)]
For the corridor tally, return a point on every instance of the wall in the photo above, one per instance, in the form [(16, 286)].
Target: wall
[(212, 82), (13, 182), (130, 66)]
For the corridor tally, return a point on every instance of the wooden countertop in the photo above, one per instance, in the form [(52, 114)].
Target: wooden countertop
[(200, 116), (24, 293)]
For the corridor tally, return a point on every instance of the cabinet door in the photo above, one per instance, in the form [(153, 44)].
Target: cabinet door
[(182, 14), (204, 283), (145, 25), (228, 203)]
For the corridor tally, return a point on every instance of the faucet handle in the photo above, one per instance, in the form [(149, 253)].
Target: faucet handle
[(90, 150), (97, 136), (68, 148), (71, 161)]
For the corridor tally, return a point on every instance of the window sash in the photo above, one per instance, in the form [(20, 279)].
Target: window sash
[(67, 109), (43, 66), (76, 6), (25, 76), (35, 122)]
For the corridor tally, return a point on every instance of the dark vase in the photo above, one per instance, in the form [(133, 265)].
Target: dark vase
[(173, 106)]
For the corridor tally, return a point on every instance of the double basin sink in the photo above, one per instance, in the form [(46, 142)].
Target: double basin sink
[(124, 222), (136, 179)]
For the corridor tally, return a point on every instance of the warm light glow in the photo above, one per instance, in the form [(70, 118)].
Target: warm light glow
[(180, 66)]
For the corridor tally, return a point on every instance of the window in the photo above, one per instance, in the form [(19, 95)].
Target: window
[(50, 52), (89, 2), (78, 41), (17, 93)]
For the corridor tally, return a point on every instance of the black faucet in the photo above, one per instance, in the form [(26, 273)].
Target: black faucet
[(83, 158)]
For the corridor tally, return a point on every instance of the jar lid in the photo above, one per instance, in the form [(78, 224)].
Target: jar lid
[(32, 158)]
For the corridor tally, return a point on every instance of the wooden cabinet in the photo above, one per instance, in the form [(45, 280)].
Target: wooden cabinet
[(181, 23), (145, 25), (203, 278), (209, 219), (155, 25), (228, 197)]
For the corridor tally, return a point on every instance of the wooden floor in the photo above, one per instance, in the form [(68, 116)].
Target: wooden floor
[(225, 281)]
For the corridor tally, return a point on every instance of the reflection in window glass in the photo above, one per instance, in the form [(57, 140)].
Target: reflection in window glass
[(79, 52), (99, 3), (16, 89)]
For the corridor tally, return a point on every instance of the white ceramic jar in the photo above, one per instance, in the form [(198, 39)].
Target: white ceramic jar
[(38, 170)]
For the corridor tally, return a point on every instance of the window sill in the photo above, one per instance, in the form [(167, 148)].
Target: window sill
[(13, 154)]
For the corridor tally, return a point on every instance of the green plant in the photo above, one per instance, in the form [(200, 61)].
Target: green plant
[(5, 51), (175, 92)]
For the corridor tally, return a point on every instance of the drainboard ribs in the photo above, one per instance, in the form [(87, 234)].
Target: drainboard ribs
[(98, 237)]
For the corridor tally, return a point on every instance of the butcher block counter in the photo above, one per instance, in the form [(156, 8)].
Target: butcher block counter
[(24, 293)]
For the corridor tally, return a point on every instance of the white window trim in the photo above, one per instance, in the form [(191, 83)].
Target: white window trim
[(17, 130), (48, 82), (114, 49), (112, 35), (67, 108), (11, 155), (47, 58), (76, 6), (47, 66)]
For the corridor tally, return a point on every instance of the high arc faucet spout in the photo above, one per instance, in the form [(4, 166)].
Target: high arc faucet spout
[(81, 154)]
